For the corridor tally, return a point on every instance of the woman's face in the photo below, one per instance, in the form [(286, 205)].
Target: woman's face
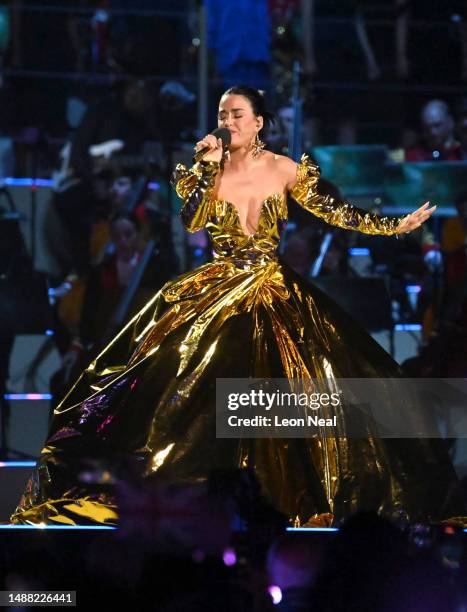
[(125, 236), (119, 190), (236, 114)]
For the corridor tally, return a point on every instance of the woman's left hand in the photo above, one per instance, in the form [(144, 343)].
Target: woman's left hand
[(415, 219)]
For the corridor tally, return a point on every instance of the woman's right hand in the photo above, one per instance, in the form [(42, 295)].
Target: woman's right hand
[(215, 148)]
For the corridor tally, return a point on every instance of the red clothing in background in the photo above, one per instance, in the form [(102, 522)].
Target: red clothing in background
[(423, 153)]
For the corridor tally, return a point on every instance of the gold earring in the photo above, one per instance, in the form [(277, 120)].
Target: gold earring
[(257, 146)]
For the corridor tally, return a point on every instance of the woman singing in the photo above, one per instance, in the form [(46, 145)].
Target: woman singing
[(151, 393)]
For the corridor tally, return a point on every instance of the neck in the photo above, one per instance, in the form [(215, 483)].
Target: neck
[(126, 256), (240, 158)]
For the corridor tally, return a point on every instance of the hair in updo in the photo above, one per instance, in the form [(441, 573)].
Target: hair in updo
[(256, 99)]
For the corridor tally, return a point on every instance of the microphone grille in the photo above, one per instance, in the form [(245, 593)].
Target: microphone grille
[(224, 135)]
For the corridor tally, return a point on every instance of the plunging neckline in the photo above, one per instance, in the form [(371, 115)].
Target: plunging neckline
[(235, 209)]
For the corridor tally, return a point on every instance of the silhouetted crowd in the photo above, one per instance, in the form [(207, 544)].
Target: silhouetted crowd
[(219, 545)]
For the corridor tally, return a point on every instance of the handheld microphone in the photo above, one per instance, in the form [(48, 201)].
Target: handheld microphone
[(223, 134)]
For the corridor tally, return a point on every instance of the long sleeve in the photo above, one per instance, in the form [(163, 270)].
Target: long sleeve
[(337, 212), (195, 187)]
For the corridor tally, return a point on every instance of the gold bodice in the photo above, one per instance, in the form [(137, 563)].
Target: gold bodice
[(220, 218)]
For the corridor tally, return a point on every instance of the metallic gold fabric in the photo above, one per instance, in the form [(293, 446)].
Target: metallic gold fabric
[(151, 393)]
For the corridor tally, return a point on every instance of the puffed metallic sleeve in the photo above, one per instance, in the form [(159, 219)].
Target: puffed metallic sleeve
[(337, 212), (195, 187)]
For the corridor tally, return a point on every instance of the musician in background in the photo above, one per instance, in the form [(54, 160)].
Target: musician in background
[(126, 193), (127, 115), (438, 142), (444, 354), (105, 286), (121, 193), (107, 281)]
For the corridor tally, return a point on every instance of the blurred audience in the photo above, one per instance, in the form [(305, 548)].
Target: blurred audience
[(367, 563), (177, 549), (376, 42)]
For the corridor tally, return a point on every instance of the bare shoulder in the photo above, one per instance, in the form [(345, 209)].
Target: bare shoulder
[(285, 166)]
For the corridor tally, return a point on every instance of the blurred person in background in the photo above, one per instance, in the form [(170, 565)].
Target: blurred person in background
[(443, 354), (89, 308), (278, 135), (123, 190), (300, 250), (129, 192), (117, 125), (438, 141)]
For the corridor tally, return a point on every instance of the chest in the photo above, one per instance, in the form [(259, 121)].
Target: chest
[(248, 194)]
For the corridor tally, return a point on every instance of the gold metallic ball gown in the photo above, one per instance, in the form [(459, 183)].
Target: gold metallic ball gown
[(151, 392)]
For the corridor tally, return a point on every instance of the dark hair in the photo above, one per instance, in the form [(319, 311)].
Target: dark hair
[(127, 216), (257, 100)]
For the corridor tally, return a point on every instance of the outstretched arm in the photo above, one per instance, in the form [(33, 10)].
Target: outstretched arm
[(303, 188), (195, 186)]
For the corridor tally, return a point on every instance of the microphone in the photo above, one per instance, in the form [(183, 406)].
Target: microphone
[(223, 134)]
